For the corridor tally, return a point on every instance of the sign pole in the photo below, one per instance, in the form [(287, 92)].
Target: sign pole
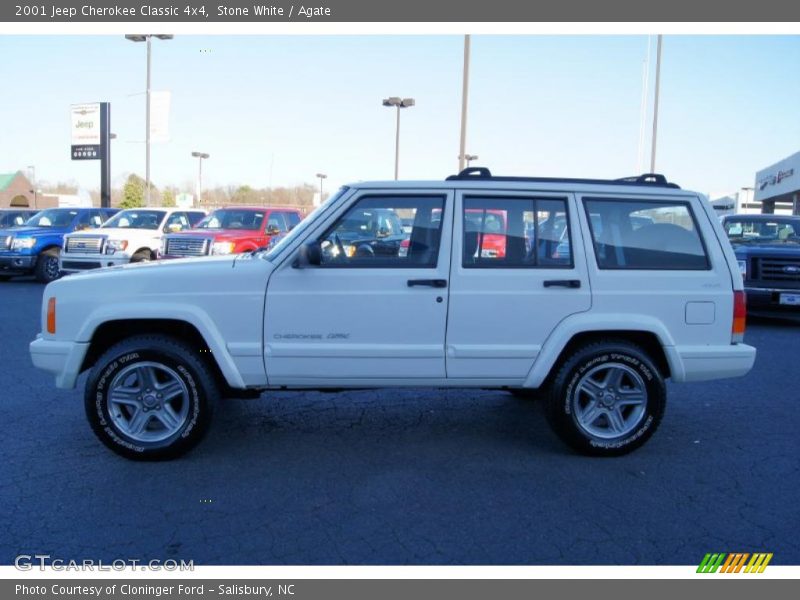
[(105, 155)]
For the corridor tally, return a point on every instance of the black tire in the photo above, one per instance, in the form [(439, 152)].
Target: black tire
[(46, 269), (141, 256), (5, 277), (618, 427), (200, 392)]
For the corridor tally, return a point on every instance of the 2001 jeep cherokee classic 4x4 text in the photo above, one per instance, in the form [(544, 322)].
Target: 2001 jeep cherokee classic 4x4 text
[(597, 317)]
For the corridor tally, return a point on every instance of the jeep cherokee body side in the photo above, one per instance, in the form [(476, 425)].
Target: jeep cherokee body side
[(597, 319)]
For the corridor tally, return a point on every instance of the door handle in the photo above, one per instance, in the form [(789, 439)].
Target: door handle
[(568, 283), (436, 283)]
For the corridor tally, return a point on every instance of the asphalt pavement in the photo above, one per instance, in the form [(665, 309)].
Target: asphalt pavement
[(403, 477)]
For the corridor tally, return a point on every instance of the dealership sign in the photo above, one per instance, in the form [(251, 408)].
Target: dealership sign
[(779, 179), (86, 131)]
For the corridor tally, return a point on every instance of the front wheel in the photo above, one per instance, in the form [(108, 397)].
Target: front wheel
[(150, 397), (47, 269), (607, 399)]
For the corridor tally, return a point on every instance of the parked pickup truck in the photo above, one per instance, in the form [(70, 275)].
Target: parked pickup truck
[(596, 330), (231, 231), (133, 235), (767, 249), (35, 247), (14, 217)]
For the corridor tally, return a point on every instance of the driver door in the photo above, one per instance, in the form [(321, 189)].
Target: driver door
[(367, 313)]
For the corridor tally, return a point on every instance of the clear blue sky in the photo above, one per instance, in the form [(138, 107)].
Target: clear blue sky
[(278, 109)]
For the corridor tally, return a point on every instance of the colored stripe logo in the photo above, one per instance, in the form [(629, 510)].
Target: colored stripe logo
[(736, 562)]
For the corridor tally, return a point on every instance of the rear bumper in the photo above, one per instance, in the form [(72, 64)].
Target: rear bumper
[(704, 363), (62, 359)]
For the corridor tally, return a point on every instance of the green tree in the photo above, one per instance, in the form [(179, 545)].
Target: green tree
[(133, 192), (168, 197)]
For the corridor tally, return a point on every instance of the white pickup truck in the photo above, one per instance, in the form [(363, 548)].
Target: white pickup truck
[(594, 292), (132, 235)]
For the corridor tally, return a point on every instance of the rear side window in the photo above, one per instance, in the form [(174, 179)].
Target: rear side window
[(515, 232), (643, 234)]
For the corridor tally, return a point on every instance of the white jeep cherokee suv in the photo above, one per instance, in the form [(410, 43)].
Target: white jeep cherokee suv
[(132, 235), (591, 291)]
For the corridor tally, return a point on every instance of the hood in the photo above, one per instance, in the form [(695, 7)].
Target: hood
[(776, 250), (33, 231), (219, 234), (117, 232)]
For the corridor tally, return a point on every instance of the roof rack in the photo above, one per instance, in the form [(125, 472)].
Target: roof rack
[(484, 174)]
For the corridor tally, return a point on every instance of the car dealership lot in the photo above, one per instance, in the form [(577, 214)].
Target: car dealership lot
[(404, 477)]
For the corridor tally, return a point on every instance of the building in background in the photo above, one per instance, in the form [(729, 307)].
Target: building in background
[(16, 191), (778, 187)]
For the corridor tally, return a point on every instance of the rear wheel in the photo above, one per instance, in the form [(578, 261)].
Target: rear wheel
[(607, 399), (46, 269), (150, 397)]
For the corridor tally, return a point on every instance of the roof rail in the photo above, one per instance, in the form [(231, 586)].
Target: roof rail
[(484, 174)]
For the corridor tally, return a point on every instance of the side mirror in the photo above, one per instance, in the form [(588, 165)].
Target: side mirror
[(309, 254), (273, 230)]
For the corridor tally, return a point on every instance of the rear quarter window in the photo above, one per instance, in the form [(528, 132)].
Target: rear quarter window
[(645, 234)]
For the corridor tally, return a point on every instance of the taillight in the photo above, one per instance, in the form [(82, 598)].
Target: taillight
[(739, 316), (51, 316)]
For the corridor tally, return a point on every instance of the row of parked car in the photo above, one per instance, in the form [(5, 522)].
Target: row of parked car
[(58, 241)]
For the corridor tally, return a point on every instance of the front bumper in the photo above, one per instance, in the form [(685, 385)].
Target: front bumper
[(69, 263), (766, 301), (62, 359), (704, 363), (18, 263)]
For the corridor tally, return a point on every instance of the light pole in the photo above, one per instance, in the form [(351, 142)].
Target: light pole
[(464, 98), (469, 158), (321, 176), (395, 101), (147, 38), (200, 156), (32, 169), (655, 105)]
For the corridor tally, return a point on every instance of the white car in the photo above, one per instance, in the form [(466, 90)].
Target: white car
[(596, 324), (132, 235)]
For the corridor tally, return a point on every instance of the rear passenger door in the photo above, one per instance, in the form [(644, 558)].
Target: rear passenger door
[(658, 256), (514, 276)]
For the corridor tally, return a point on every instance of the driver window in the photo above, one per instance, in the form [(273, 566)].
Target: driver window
[(371, 233)]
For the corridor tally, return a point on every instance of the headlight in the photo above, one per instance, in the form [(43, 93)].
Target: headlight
[(743, 268), (115, 245), (222, 248), (23, 243)]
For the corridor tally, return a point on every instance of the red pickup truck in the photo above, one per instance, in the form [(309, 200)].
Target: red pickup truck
[(231, 230)]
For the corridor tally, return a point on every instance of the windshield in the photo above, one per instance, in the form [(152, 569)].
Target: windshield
[(757, 231), (52, 217), (249, 220), (136, 219), (284, 242)]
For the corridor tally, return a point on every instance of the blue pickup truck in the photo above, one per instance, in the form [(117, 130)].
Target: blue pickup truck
[(34, 247), (767, 248)]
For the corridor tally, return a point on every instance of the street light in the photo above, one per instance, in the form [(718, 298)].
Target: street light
[(147, 38), (395, 101), (469, 158), (200, 156), (321, 176)]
